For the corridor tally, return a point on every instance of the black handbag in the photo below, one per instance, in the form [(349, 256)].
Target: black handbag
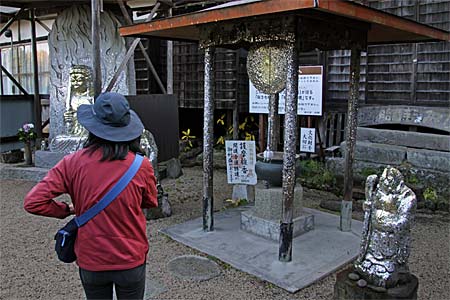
[(66, 236)]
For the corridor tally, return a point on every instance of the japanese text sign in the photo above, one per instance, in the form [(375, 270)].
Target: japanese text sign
[(241, 159), (307, 140), (309, 94)]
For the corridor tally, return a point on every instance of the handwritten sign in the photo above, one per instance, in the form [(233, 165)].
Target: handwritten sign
[(309, 94), (241, 159), (307, 140)]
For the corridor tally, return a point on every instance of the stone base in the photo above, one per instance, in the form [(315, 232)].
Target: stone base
[(47, 159), (270, 229), (268, 202), (346, 288), (11, 157), (243, 191)]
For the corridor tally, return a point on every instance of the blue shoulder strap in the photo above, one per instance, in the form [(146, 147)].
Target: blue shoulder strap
[(112, 194)]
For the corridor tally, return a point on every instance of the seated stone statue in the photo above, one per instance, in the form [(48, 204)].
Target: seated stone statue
[(80, 91), (389, 212)]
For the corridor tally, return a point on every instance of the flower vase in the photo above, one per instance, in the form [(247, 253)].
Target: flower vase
[(27, 153)]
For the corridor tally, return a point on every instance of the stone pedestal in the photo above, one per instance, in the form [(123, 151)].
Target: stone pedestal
[(346, 288), (243, 191), (47, 159), (264, 218)]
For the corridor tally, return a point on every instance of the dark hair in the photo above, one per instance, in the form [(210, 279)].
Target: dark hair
[(111, 150)]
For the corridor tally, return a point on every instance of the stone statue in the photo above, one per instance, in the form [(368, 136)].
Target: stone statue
[(80, 91), (389, 213), (150, 149)]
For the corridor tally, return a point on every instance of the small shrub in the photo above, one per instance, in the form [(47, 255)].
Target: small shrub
[(313, 174), (430, 194), (411, 179), (366, 172)]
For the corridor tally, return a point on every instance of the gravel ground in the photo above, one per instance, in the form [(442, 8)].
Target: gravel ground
[(29, 268)]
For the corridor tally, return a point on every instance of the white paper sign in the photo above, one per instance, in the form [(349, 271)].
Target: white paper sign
[(241, 160), (309, 94), (307, 140)]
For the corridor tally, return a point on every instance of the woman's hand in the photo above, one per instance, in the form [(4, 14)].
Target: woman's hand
[(71, 208)]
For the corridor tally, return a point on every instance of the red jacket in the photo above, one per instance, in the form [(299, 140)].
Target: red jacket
[(115, 239)]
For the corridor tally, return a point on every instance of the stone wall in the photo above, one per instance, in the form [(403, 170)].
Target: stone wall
[(424, 159)]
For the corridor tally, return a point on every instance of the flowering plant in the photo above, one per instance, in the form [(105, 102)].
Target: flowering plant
[(26, 132)]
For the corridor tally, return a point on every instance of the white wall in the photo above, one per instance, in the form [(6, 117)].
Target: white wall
[(25, 30)]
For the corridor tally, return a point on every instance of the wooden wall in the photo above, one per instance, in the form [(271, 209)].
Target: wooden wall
[(405, 74)]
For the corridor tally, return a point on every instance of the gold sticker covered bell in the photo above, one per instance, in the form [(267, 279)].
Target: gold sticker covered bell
[(267, 67)]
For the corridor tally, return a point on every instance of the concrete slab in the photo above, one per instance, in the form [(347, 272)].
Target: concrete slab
[(22, 172), (153, 288), (315, 254)]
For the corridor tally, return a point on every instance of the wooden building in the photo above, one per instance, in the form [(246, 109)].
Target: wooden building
[(412, 74)]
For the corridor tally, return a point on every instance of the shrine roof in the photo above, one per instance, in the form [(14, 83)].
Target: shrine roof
[(383, 27)]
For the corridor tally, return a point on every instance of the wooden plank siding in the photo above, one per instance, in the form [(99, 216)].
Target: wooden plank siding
[(407, 74), (398, 74)]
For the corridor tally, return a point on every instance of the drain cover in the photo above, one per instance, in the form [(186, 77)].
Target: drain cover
[(192, 267)]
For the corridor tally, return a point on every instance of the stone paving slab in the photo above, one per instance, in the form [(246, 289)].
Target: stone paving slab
[(315, 254), (22, 172), (153, 288), (193, 267)]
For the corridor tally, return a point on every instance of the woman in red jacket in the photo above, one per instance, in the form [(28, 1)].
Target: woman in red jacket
[(111, 248)]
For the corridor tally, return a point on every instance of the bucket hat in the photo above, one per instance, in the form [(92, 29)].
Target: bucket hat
[(110, 118)]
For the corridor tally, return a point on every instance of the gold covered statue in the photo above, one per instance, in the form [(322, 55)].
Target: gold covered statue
[(80, 91)]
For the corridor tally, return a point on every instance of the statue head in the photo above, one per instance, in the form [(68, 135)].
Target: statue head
[(81, 80), (391, 181)]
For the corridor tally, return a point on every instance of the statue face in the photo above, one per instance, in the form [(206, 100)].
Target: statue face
[(391, 181), (80, 79)]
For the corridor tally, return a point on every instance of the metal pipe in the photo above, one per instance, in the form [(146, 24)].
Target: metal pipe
[(352, 120), (123, 64), (128, 21), (208, 135), (14, 18), (154, 9), (1, 75), (43, 25), (14, 81), (290, 143), (37, 98), (12, 65), (169, 61), (95, 32)]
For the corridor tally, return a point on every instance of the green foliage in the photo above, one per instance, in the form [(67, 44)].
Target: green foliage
[(366, 172), (313, 174), (430, 194), (412, 179)]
